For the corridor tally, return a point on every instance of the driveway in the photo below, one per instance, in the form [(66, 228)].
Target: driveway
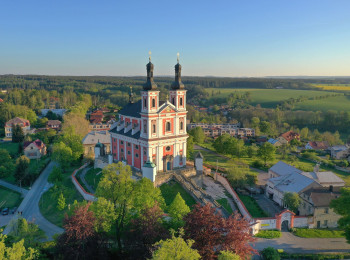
[(267, 205), (293, 244), (30, 205)]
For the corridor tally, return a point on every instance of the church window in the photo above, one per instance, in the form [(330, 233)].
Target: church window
[(168, 126), (173, 101), (153, 102), (168, 148), (129, 144), (181, 125), (145, 102), (136, 147), (122, 150), (154, 128), (145, 127), (144, 152), (129, 152), (180, 101), (181, 158), (121, 142), (137, 155)]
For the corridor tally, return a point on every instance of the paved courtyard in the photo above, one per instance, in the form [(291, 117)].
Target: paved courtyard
[(267, 205)]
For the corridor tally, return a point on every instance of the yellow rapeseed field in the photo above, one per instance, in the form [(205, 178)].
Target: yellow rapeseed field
[(334, 87)]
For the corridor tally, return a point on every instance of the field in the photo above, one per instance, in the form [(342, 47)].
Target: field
[(9, 199), (269, 98), (170, 190), (319, 233), (340, 103), (336, 87), (12, 148)]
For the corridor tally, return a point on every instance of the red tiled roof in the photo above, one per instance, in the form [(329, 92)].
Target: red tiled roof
[(319, 145), (290, 135), (1, 100), (17, 121), (37, 142)]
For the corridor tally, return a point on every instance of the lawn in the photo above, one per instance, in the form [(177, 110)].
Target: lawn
[(9, 199), (252, 206), (339, 103), (223, 202), (12, 148), (48, 202), (169, 191), (318, 233), (92, 179), (269, 98), (269, 234)]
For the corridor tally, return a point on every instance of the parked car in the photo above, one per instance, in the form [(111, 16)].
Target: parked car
[(13, 210), (5, 211)]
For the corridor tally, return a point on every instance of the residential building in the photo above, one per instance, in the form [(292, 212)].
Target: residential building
[(58, 112), (281, 169), (316, 202), (325, 179), (34, 149), (54, 124), (216, 130), (24, 123), (317, 145), (101, 126), (94, 137), (274, 142), (96, 117), (151, 130), (287, 137), (340, 152)]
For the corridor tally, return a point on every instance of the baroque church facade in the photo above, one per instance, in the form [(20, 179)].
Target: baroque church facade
[(150, 131)]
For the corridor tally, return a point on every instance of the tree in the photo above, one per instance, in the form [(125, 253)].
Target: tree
[(210, 230), (29, 232), (6, 165), (80, 240), (198, 134), (144, 231), (75, 123), (189, 151), (56, 176), (17, 134), (117, 186), (62, 154), (16, 251), (341, 206), (292, 200), (270, 253), (61, 202), (237, 174), (283, 150), (22, 164), (177, 210), (73, 141), (175, 248), (227, 255), (304, 133), (266, 152)]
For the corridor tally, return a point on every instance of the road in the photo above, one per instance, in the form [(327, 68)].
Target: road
[(13, 187), (30, 205), (293, 244)]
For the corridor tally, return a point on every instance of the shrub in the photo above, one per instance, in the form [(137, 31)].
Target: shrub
[(270, 253), (269, 234), (258, 164)]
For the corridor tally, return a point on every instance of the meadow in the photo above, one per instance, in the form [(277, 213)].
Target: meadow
[(339, 103), (269, 98)]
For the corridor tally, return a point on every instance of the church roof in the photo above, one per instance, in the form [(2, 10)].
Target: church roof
[(127, 134), (131, 109), (149, 164)]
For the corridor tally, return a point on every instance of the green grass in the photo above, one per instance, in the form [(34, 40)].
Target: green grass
[(12, 148), (169, 191), (48, 203), (92, 179), (223, 202), (269, 98), (269, 234), (252, 206), (332, 256), (339, 103), (318, 233), (9, 198)]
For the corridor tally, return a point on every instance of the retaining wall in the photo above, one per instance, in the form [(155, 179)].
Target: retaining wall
[(86, 195)]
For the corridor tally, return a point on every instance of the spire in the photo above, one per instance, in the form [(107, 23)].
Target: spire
[(131, 96), (177, 84), (149, 85)]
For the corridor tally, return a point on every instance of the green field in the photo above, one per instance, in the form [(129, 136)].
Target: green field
[(269, 98), (9, 199), (340, 103), (12, 148), (170, 190)]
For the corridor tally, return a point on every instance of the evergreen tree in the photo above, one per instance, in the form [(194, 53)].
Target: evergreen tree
[(177, 210), (61, 202)]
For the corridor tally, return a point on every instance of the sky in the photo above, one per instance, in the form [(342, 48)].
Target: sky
[(245, 38)]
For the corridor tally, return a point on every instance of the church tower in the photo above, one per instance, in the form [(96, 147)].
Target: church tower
[(178, 92)]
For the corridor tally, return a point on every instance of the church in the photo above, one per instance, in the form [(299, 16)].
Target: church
[(151, 133)]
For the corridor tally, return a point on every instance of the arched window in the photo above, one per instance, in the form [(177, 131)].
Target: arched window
[(153, 102), (180, 101), (154, 129), (181, 125), (145, 102), (168, 126), (173, 101)]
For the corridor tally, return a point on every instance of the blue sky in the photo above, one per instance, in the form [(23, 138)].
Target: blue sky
[(217, 38)]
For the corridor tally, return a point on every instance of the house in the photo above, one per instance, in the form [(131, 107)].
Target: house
[(316, 202), (274, 142), (325, 179), (59, 112), (340, 152), (24, 123), (94, 137), (101, 126), (317, 145), (287, 137), (35, 149), (281, 169), (96, 117), (54, 124)]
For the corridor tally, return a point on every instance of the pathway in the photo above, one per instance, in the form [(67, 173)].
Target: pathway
[(82, 178), (30, 205), (13, 187), (293, 244)]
